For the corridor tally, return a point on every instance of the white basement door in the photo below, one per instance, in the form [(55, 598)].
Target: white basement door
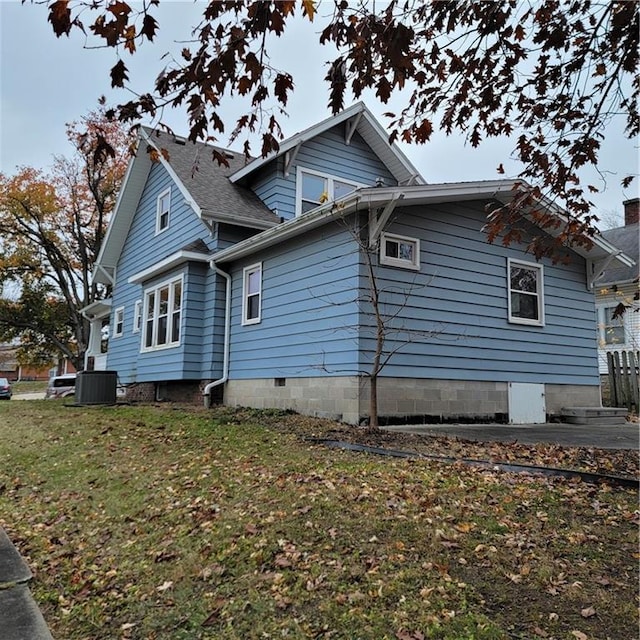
[(526, 403)]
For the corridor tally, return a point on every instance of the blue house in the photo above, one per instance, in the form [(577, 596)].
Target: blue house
[(265, 284)]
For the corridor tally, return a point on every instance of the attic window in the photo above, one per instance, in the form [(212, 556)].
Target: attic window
[(314, 188), (163, 207)]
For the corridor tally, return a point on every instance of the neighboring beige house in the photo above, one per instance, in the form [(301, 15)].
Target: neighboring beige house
[(617, 285)]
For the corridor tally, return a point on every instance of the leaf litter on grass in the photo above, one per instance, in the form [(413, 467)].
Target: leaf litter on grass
[(156, 522)]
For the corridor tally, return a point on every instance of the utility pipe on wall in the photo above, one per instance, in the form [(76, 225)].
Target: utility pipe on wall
[(227, 333)]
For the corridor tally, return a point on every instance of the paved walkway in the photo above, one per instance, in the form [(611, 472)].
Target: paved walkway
[(624, 436)]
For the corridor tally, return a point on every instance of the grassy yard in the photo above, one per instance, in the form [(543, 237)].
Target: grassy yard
[(163, 522)]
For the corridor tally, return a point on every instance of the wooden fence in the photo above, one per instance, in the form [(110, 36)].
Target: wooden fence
[(623, 379)]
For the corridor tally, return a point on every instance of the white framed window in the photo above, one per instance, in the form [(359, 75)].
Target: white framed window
[(399, 251), (252, 294), (118, 322), (162, 315), (313, 188), (611, 329), (526, 292), (163, 208), (137, 316)]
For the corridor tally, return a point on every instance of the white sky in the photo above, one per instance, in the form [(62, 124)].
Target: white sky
[(47, 81)]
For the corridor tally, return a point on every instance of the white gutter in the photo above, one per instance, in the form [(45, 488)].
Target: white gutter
[(227, 334)]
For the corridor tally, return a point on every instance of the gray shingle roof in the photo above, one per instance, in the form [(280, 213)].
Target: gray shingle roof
[(626, 239), (208, 182)]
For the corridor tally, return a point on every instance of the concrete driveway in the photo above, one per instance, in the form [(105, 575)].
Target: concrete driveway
[(623, 436)]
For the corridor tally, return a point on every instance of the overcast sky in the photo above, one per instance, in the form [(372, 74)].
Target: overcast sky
[(47, 81)]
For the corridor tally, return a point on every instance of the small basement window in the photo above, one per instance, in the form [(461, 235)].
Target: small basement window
[(399, 251)]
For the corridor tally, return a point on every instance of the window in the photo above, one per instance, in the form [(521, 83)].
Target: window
[(137, 316), (162, 312), (252, 294), (162, 210), (526, 301), (315, 188), (118, 322), (398, 251), (612, 330)]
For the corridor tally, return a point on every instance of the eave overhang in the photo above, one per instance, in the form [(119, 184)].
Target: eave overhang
[(169, 263), (375, 198), (97, 309)]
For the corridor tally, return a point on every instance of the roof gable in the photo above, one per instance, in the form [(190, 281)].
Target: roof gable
[(203, 183), (356, 118)]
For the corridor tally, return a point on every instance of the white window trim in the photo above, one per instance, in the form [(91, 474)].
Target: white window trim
[(245, 277), (540, 294), (137, 316), (143, 333), (390, 261), (328, 177), (119, 311), (161, 195), (602, 326)]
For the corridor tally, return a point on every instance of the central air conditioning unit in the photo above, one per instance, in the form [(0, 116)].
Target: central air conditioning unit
[(96, 387)]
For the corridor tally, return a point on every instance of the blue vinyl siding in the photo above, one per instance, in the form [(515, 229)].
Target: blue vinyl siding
[(195, 357), (461, 294), (309, 315), (328, 154)]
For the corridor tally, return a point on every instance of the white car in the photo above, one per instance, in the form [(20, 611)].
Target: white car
[(61, 386)]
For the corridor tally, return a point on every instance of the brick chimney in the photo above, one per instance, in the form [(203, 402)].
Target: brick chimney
[(631, 209)]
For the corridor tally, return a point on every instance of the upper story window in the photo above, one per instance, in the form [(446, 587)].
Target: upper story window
[(162, 314), (611, 328), (137, 316), (163, 207), (118, 322), (314, 188), (399, 251), (252, 294), (526, 292)]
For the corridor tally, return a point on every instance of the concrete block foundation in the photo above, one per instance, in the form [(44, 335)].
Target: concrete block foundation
[(399, 399)]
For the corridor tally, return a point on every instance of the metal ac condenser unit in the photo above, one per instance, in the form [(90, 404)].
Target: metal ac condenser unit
[(96, 387)]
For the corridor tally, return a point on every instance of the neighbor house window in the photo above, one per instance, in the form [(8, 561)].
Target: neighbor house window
[(252, 294), (314, 188), (162, 313), (162, 210), (612, 330), (526, 295), (137, 316), (118, 322), (399, 251)]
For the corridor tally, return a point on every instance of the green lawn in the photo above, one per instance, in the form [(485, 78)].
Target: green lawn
[(163, 522)]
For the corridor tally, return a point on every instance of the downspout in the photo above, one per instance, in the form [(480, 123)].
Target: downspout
[(227, 332)]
